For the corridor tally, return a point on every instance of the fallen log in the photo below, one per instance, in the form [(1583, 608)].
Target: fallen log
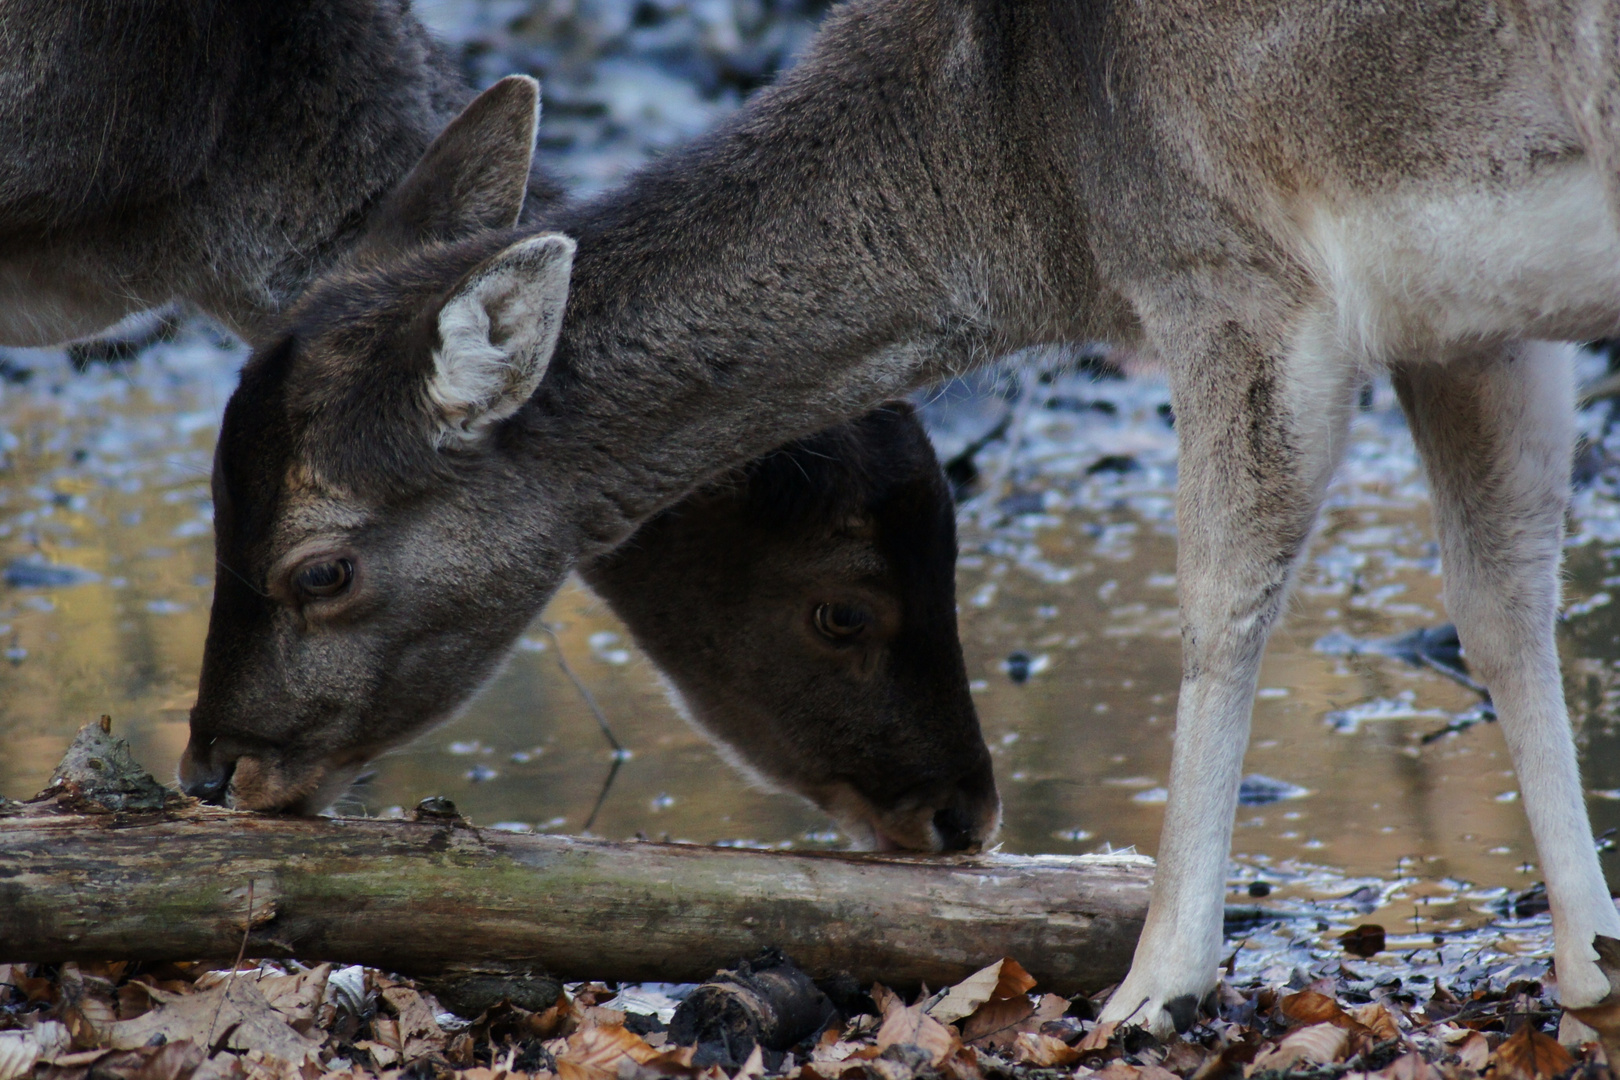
[(167, 879)]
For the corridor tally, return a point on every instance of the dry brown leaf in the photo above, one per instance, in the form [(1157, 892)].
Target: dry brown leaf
[(572, 1070), (835, 1051), (18, 1052), (1409, 1067), (597, 1015), (221, 1067), (171, 1061), (913, 1027), (1184, 1058), (997, 1023), (384, 1044), (1033, 1048), (234, 1014), (1530, 1054), (886, 1000), (133, 1000), (674, 1062), (354, 1072), (1319, 1044), (754, 1067), (1014, 980), (1097, 1038), (969, 994), (87, 1015), (1311, 1007), (1474, 1051), (53, 1039), (260, 1067), (829, 1070), (10, 974), (297, 996), (382, 1055), (962, 1065), (1231, 1058), (419, 1032), (1118, 1070), (1048, 1008), (560, 1020), (460, 1049), (604, 1046), (1378, 1021)]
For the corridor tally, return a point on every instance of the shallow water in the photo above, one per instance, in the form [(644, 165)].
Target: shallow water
[(1068, 564)]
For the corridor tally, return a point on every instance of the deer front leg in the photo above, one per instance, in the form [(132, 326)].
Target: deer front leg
[(1496, 433), (1260, 424)]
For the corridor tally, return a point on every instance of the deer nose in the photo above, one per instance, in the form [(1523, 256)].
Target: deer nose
[(955, 829), (203, 777)]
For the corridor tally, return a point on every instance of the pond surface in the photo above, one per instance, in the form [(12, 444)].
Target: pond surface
[(1066, 578), (1067, 568)]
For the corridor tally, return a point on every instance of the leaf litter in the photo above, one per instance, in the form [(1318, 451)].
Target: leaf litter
[(288, 1021)]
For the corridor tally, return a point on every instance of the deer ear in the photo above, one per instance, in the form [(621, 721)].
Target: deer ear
[(497, 334), (473, 177)]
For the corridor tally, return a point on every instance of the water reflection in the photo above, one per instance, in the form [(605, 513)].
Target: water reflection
[(1067, 569)]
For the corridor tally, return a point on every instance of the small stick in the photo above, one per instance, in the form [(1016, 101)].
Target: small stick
[(584, 692), (620, 754), (247, 929)]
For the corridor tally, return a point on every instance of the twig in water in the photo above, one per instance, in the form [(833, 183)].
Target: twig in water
[(584, 692), (1485, 714), (1456, 675), (601, 797), (620, 754)]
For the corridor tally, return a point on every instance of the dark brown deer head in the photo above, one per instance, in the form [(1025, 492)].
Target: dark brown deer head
[(804, 611)]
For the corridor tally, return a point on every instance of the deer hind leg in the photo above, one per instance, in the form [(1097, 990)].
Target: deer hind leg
[(1496, 434), (1261, 420)]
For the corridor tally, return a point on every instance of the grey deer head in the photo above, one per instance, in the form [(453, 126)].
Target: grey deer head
[(377, 506)]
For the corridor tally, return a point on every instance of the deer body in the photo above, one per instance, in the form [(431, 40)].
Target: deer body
[(1275, 198)]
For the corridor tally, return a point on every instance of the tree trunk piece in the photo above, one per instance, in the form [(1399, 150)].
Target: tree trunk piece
[(417, 896)]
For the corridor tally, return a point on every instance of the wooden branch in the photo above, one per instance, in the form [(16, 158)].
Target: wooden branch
[(415, 896), (174, 883)]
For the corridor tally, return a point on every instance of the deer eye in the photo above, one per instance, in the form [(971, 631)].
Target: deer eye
[(323, 579), (840, 622)]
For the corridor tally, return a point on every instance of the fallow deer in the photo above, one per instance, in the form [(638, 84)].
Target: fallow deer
[(1275, 197), (804, 611), (227, 154), (219, 153)]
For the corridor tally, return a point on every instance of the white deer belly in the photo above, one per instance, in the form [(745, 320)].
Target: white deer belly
[(1426, 277)]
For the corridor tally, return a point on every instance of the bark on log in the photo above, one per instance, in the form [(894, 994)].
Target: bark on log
[(179, 881), (415, 896)]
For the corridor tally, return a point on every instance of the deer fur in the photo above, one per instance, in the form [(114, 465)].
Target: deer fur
[(219, 153), (228, 154), (1274, 198)]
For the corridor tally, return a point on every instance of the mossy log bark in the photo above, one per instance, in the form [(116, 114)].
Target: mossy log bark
[(188, 882)]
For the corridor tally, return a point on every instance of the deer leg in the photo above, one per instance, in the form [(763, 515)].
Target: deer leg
[(1496, 434), (1261, 423)]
